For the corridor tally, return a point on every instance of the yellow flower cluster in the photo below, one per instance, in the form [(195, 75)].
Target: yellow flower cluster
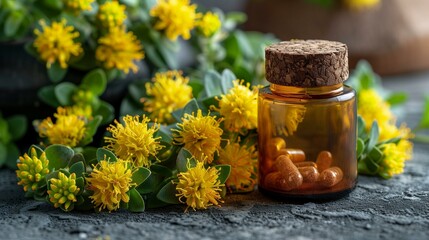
[(111, 14), (243, 162), (209, 24), (394, 157), (361, 4), (201, 135), (78, 5), (134, 140), (371, 107), (56, 43), (69, 128), (175, 17), (168, 92), (239, 107), (199, 187), (110, 182), (31, 169), (63, 191), (119, 49)]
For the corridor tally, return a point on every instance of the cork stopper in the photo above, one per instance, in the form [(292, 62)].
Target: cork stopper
[(306, 63)]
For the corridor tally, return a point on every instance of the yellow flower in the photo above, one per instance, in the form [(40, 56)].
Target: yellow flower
[(134, 140), (110, 182), (69, 129), (361, 4), (199, 187), (63, 191), (55, 43), (119, 49), (209, 24), (31, 169), (394, 157), (78, 5), (168, 92), (82, 111), (111, 14), (371, 107), (239, 107), (175, 17), (200, 134), (243, 165)]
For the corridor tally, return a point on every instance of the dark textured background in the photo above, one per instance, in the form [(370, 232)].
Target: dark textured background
[(377, 209)]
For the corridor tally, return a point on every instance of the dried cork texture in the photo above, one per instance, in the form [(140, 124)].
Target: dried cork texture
[(307, 63)]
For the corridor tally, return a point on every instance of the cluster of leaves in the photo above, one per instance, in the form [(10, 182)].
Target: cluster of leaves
[(241, 52), (86, 94), (369, 146), (11, 129)]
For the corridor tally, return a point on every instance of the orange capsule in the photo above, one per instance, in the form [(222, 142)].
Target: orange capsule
[(274, 146), (279, 181), (309, 174), (296, 155), (330, 177), (324, 160), (305, 164), (291, 178)]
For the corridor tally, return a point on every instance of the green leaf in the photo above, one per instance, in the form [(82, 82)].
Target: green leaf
[(136, 203), (3, 154), (140, 175), (424, 121), (102, 153), (12, 156), (397, 98), (360, 126), (95, 81), (56, 73), (12, 23), (360, 146), (211, 101), (78, 157), (78, 168), (5, 136), (212, 84), (92, 126), (227, 80), (47, 95), (376, 155), (153, 56), (167, 194), (17, 126), (64, 93), (58, 156), (161, 170), (165, 133), (151, 184), (372, 166), (182, 160), (373, 136), (106, 111), (80, 182), (39, 151), (224, 171), (191, 107)]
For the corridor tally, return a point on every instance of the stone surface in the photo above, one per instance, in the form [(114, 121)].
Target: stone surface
[(377, 209)]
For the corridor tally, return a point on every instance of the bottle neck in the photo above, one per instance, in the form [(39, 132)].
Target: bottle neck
[(306, 92)]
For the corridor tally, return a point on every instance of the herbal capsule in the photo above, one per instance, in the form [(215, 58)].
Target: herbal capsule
[(274, 146), (296, 155), (289, 172), (305, 164), (330, 177), (309, 174), (280, 181), (324, 160), (308, 108)]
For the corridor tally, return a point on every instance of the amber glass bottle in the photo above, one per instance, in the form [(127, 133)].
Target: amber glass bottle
[(307, 122)]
